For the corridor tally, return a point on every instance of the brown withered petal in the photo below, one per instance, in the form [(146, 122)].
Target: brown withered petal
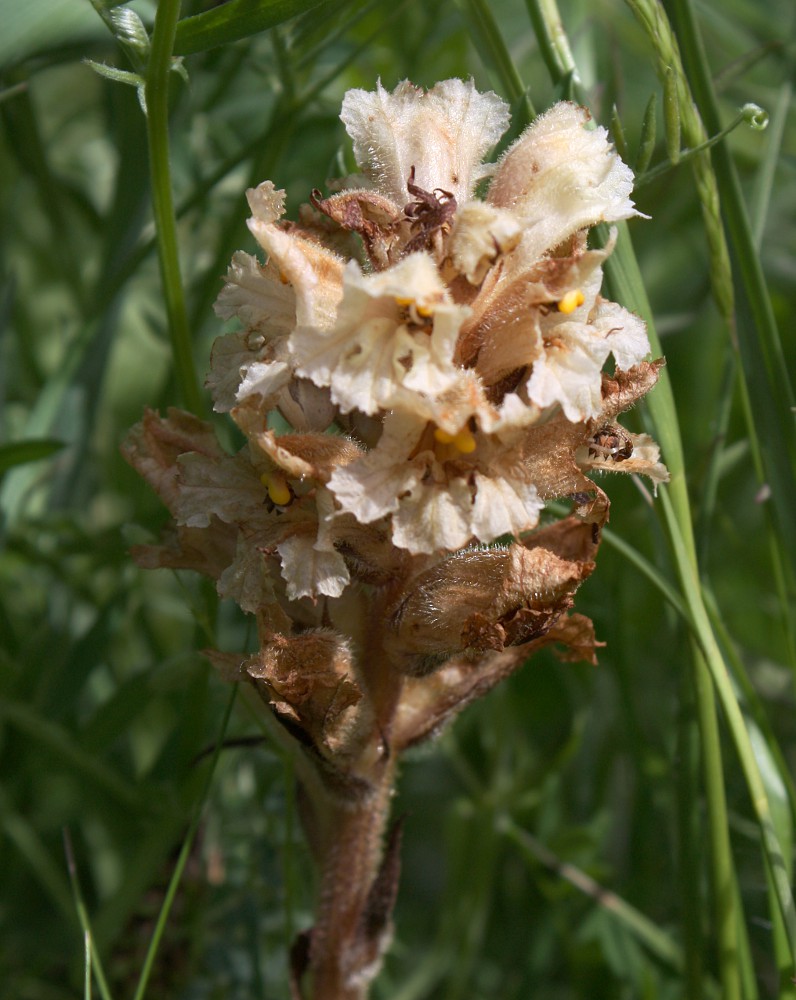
[(519, 590), (206, 552), (575, 635), (372, 216), (428, 704), (549, 448), (308, 681), (569, 538), (311, 456), (153, 446), (625, 388)]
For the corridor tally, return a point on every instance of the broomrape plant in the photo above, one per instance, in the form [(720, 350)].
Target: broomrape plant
[(439, 358)]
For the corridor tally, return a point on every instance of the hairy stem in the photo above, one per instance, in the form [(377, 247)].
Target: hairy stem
[(357, 892)]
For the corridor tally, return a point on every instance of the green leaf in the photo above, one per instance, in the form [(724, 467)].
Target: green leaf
[(117, 75), (235, 20), (20, 452)]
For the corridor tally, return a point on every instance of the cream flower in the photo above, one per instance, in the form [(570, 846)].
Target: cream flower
[(442, 135), (441, 490), (568, 371), (393, 343), (560, 177)]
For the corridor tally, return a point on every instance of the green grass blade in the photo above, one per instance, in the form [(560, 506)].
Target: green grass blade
[(492, 48), (235, 20), (660, 944), (21, 452), (765, 180), (64, 747), (761, 353), (93, 961), (625, 280), (157, 100), (772, 849), (25, 838)]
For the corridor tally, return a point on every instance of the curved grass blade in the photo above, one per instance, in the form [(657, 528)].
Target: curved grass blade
[(92, 957), (755, 335), (493, 50), (63, 746), (645, 930), (21, 452), (235, 20)]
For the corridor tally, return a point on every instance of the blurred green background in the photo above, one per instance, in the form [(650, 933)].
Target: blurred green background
[(555, 843)]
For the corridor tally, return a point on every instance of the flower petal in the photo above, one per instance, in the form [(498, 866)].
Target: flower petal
[(443, 134), (310, 571), (503, 506), (560, 177), (392, 345), (257, 296)]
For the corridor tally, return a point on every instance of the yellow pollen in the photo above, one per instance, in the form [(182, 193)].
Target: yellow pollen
[(277, 487), (462, 441), (403, 302), (571, 301), (424, 311)]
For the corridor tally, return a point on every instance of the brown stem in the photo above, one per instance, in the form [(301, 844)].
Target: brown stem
[(353, 912)]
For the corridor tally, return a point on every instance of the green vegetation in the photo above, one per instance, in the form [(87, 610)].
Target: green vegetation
[(624, 831)]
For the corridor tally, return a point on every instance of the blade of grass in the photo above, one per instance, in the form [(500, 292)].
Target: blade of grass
[(20, 452), (772, 848), (753, 705), (80, 906), (28, 843), (645, 930), (690, 836), (64, 748), (778, 782), (234, 20), (765, 178), (493, 50), (626, 282), (772, 416), (622, 269), (157, 100)]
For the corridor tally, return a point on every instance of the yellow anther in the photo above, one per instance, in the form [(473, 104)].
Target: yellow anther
[(571, 301), (424, 311), (278, 489), (404, 303), (464, 441)]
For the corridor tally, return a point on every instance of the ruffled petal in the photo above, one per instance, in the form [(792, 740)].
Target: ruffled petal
[(560, 177), (393, 343), (257, 296), (503, 505), (310, 571), (443, 134)]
